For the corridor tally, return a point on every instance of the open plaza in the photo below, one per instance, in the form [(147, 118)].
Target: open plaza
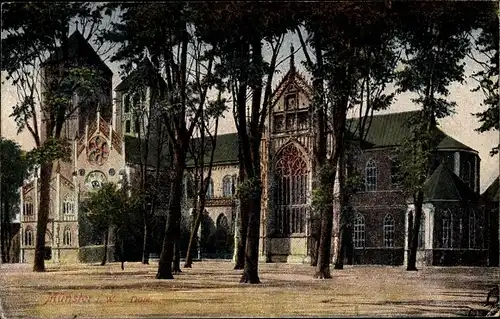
[(212, 289)]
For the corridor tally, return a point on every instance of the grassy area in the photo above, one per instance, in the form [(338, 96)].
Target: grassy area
[(212, 289)]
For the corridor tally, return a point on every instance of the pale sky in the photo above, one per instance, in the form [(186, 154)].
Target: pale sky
[(460, 126)]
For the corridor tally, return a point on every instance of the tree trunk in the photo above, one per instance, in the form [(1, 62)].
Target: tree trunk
[(314, 251), (340, 249), (325, 240), (176, 265), (194, 231), (146, 241), (172, 226), (250, 271), (243, 231), (413, 245), (241, 241), (339, 261), (105, 255), (43, 216)]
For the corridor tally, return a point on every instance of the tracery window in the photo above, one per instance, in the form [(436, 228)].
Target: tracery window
[(67, 236), (293, 117), (292, 185), (467, 174), (472, 229), (370, 176), (28, 236), (359, 239), (227, 186), (447, 230), (28, 207), (421, 232), (210, 188), (389, 231), (126, 107)]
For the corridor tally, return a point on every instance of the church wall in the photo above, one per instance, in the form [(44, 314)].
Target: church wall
[(375, 206)]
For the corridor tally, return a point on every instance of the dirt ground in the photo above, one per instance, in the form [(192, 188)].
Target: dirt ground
[(212, 289)]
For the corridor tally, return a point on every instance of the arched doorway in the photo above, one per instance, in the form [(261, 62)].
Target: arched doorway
[(292, 180), (223, 238)]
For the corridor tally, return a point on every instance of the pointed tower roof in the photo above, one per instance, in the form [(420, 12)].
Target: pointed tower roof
[(79, 49), (492, 193), (292, 76), (445, 185), (145, 73)]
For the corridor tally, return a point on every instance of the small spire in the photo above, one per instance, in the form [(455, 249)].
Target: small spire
[(292, 57)]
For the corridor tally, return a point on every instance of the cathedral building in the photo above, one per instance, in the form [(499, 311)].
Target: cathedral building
[(455, 228)]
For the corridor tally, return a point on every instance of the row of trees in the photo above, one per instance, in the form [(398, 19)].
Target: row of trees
[(203, 50)]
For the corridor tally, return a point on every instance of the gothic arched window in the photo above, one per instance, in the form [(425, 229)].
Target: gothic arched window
[(227, 186), (447, 230), (68, 207), (210, 188), (126, 102), (28, 207), (389, 231), (359, 238), (472, 229), (292, 184), (421, 232), (67, 236), (370, 176), (28, 237)]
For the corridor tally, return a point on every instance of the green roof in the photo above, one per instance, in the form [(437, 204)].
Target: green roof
[(226, 151), (492, 193), (450, 143), (133, 152), (391, 130), (444, 184)]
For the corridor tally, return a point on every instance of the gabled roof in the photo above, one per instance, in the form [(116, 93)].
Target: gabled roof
[(390, 130), (145, 74), (445, 185), (79, 48), (292, 77), (492, 193)]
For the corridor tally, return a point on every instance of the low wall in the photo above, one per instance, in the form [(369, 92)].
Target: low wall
[(94, 254), (460, 257), (379, 256)]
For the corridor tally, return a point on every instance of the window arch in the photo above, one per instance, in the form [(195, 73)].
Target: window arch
[(68, 206), (447, 230), (472, 229), (421, 232), (227, 186), (389, 231), (28, 236), (28, 207), (67, 238), (291, 193), (126, 102), (359, 231), (222, 222), (370, 176), (189, 190), (210, 188)]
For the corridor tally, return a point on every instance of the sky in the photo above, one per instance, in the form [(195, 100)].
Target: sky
[(461, 126)]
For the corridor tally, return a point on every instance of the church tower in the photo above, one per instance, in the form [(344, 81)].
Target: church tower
[(87, 127)]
